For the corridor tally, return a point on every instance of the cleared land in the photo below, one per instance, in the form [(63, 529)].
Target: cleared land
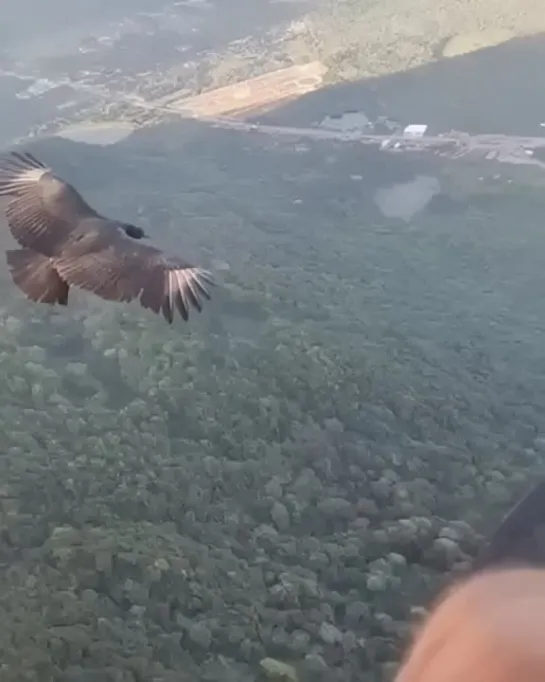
[(249, 95)]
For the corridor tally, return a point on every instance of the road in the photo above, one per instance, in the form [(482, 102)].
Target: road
[(454, 144)]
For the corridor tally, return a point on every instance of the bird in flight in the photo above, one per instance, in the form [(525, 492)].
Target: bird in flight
[(65, 243)]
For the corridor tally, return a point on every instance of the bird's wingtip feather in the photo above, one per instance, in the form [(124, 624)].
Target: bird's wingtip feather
[(19, 170)]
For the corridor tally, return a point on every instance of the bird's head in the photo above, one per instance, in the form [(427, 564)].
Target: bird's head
[(134, 232)]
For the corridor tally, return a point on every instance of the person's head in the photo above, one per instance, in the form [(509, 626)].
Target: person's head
[(488, 628)]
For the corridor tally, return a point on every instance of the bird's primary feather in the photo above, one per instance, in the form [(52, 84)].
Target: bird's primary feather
[(48, 215), (44, 209)]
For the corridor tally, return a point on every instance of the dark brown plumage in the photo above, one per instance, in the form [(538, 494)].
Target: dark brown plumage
[(67, 243)]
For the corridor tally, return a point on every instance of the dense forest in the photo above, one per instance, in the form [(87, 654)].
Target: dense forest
[(250, 494)]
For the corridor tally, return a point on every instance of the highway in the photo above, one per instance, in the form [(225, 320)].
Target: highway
[(454, 144)]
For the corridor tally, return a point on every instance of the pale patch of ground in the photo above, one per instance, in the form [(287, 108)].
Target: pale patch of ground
[(97, 133), (254, 93), (465, 43)]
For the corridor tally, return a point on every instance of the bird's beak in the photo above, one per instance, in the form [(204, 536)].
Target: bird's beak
[(145, 236)]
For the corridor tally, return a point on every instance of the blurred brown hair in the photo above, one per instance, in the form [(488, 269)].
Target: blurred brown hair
[(489, 628)]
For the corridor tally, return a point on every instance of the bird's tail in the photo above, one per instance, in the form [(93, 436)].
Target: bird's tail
[(18, 170), (36, 276)]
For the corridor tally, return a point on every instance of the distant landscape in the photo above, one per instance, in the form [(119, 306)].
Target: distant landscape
[(274, 490), (96, 62)]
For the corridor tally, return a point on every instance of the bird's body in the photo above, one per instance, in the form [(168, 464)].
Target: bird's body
[(67, 243)]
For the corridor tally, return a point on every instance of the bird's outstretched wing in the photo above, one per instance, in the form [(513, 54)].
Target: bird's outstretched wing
[(44, 209), (124, 270)]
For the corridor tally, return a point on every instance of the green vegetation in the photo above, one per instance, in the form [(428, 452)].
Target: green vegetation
[(292, 473)]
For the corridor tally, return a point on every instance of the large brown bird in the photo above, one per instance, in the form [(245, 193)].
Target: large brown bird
[(67, 243)]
